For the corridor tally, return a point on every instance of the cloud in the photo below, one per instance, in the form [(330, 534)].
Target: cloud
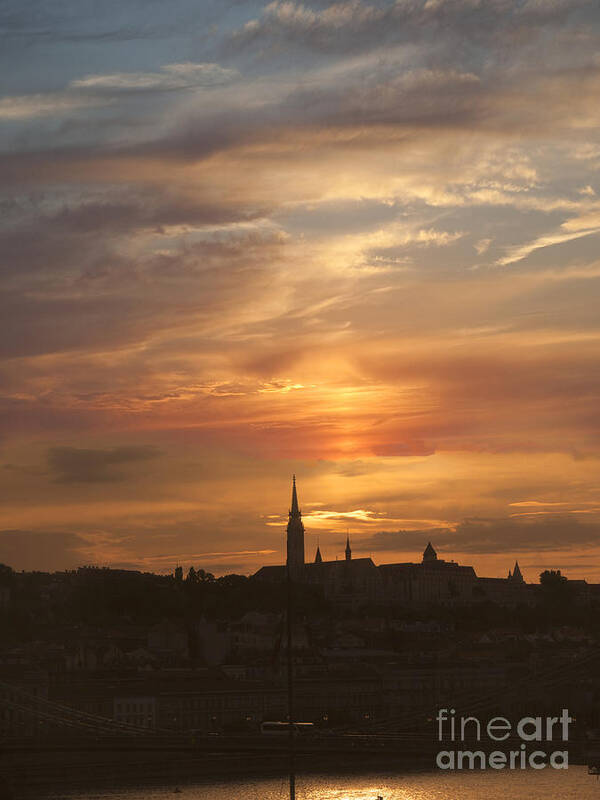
[(355, 25), (487, 536), (216, 562), (575, 228), (171, 76), (36, 550), (289, 19), (74, 465), (323, 518), (38, 105), (482, 246), (105, 288), (104, 89)]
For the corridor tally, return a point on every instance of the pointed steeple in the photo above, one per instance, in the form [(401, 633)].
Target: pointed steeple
[(348, 548), (294, 511), (509, 575), (295, 536), (517, 575), (318, 557)]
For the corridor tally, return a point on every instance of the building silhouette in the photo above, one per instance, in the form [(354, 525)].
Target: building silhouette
[(357, 582)]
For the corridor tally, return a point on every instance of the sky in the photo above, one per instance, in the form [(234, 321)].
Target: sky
[(355, 241)]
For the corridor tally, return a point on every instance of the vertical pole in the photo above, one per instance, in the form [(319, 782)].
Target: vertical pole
[(290, 685)]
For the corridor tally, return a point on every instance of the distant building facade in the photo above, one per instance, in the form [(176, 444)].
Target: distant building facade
[(357, 582)]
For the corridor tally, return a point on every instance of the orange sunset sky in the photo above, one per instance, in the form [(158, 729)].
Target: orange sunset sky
[(356, 241)]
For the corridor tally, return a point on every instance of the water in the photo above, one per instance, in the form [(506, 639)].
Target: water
[(571, 784)]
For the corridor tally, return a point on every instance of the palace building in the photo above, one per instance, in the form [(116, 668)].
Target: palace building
[(358, 582)]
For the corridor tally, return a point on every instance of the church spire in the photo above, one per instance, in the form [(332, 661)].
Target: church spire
[(348, 548), (295, 537), (517, 574), (318, 556), (294, 511)]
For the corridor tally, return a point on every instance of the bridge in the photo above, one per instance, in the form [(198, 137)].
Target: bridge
[(32, 724)]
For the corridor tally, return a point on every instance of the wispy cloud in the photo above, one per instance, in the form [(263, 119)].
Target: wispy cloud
[(171, 76), (39, 105), (494, 536), (103, 89), (574, 228)]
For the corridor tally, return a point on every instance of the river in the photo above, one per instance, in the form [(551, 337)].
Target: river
[(571, 784)]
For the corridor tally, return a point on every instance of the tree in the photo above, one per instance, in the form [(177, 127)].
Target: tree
[(192, 576), (6, 573), (552, 578), (556, 590)]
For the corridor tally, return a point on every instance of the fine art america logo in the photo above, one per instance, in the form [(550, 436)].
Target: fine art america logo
[(522, 752)]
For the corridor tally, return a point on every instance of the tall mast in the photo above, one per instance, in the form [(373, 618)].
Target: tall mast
[(290, 676)]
